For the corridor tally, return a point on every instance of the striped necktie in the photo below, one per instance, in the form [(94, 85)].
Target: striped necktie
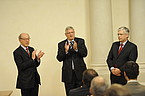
[(27, 50)]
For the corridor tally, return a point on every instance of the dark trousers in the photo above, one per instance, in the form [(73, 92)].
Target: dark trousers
[(118, 79), (30, 91), (73, 84)]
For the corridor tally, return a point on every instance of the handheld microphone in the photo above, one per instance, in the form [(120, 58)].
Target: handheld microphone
[(72, 42)]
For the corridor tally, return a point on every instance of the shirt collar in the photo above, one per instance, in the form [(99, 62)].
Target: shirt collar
[(132, 81), (70, 41), (24, 47), (123, 43)]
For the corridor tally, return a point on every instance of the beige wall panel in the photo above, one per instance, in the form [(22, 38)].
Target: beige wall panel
[(137, 16), (120, 15), (101, 30)]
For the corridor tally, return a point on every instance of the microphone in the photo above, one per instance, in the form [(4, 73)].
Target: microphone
[(71, 44)]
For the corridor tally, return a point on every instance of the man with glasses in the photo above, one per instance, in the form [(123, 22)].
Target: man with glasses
[(27, 61), (72, 51), (121, 52)]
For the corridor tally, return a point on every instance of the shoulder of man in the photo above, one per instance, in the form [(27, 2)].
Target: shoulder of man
[(132, 43), (30, 47), (116, 43), (17, 49), (79, 39), (62, 41), (76, 38)]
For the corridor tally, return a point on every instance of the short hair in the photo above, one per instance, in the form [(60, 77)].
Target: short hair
[(88, 75), (20, 36), (98, 86), (69, 27), (131, 69), (117, 90), (125, 29)]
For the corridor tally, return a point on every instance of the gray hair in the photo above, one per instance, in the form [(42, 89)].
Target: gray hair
[(69, 27), (98, 86), (125, 29)]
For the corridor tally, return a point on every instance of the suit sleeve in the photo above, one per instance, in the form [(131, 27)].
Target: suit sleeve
[(82, 50), (110, 58), (24, 64), (133, 54), (37, 63), (61, 52)]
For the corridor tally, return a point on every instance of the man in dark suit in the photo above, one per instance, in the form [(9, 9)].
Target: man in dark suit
[(28, 79), (72, 51), (88, 75), (121, 52), (131, 72)]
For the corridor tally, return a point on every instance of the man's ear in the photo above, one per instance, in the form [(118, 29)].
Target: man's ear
[(83, 81), (125, 76), (90, 90)]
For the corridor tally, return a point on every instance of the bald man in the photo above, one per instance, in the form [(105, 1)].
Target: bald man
[(98, 86), (27, 61)]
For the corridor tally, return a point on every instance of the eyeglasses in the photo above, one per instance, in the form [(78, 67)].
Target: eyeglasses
[(25, 39), (70, 32), (120, 34)]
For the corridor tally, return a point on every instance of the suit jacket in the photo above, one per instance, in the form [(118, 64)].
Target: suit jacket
[(76, 56), (80, 91), (128, 53), (135, 89), (27, 68)]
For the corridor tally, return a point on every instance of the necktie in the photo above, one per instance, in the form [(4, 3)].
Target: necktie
[(72, 42), (27, 50), (120, 49)]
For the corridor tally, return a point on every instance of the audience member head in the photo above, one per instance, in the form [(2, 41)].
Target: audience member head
[(131, 70), (88, 75), (117, 90), (98, 86)]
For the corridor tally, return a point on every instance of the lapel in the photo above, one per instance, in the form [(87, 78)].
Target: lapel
[(76, 39), (23, 51), (124, 48), (116, 47), (30, 50)]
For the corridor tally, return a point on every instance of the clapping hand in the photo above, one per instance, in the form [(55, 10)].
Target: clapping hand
[(66, 46), (40, 54), (75, 46), (34, 54)]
